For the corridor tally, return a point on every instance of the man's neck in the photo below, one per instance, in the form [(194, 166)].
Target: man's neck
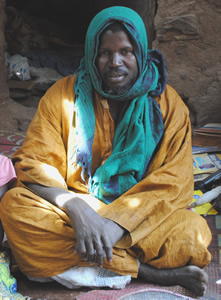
[(115, 108)]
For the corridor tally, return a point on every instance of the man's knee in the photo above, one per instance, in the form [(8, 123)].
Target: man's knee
[(189, 240), (194, 225), (181, 239), (10, 203)]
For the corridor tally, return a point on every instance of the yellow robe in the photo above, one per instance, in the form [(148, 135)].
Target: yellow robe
[(161, 232)]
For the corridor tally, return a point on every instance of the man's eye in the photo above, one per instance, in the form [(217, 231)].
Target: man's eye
[(104, 52), (126, 51)]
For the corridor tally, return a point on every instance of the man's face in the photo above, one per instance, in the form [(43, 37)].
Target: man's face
[(116, 62)]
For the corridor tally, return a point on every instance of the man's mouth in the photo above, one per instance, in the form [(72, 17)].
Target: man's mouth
[(115, 77)]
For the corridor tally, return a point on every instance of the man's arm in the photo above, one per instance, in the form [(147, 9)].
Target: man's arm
[(95, 235)]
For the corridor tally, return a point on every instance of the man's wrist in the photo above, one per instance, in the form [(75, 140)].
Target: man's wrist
[(63, 199), (117, 230)]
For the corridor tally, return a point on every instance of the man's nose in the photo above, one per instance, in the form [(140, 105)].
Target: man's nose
[(116, 60)]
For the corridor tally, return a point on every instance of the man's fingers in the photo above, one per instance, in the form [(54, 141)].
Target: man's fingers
[(107, 246), (91, 252), (81, 249), (100, 257), (100, 254)]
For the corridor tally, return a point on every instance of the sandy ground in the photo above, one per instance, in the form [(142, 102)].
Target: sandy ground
[(15, 116)]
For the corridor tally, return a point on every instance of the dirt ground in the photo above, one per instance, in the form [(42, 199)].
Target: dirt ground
[(15, 117)]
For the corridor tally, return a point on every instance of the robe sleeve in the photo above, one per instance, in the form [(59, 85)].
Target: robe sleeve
[(42, 159), (168, 184)]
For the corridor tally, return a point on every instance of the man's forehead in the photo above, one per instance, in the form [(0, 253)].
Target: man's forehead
[(111, 40), (114, 27)]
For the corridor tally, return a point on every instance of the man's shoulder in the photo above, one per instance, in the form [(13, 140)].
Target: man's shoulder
[(170, 102), (169, 97), (66, 81), (170, 92), (61, 88)]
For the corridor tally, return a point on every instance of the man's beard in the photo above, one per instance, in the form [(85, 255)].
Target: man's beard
[(116, 91)]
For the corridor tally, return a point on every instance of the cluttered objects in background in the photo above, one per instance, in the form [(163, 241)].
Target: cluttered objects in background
[(204, 203), (207, 173), (213, 129), (206, 163)]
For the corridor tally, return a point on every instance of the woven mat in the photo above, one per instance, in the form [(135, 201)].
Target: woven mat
[(146, 293), (9, 143)]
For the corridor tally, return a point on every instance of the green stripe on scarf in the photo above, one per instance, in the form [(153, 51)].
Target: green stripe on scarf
[(141, 126)]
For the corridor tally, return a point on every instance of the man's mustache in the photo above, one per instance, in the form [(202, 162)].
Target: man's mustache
[(115, 73)]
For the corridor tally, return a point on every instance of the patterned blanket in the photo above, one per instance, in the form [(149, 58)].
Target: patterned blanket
[(10, 142)]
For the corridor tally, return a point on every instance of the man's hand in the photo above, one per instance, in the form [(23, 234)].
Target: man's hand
[(95, 235)]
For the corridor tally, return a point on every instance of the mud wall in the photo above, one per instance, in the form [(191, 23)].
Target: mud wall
[(188, 33), (4, 93)]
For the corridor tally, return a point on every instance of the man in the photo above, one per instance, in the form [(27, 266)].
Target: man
[(105, 172)]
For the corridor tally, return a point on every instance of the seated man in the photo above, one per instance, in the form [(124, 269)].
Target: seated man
[(105, 171)]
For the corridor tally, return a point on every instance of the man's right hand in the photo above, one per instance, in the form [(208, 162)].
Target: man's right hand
[(93, 242), (95, 235)]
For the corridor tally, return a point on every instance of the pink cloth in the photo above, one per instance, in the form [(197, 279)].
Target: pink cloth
[(7, 171)]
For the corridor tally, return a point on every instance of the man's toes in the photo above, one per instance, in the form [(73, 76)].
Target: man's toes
[(204, 277), (199, 289)]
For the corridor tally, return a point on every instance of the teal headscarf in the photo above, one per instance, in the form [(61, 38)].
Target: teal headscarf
[(141, 126)]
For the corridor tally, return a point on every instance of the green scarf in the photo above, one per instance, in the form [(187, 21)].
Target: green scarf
[(141, 126)]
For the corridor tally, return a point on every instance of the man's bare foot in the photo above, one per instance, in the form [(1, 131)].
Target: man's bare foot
[(191, 277)]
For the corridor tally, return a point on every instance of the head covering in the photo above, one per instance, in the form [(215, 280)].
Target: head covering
[(141, 126)]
